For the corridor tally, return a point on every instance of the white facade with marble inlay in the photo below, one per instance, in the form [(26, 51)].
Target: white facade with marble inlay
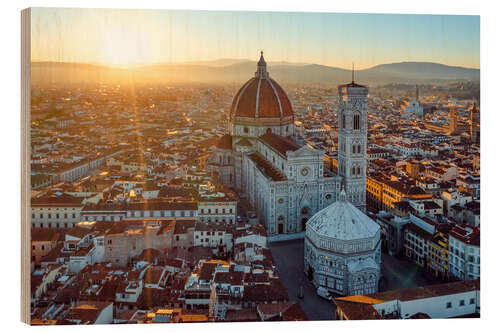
[(342, 250), (284, 182)]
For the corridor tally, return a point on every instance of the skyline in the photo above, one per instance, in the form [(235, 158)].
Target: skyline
[(166, 36)]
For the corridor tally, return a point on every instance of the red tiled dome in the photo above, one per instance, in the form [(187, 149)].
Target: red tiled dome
[(261, 97)]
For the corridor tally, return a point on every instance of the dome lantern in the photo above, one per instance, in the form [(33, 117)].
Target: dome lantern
[(261, 72)]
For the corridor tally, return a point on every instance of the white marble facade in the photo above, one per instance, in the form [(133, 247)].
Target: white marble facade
[(287, 183), (342, 250)]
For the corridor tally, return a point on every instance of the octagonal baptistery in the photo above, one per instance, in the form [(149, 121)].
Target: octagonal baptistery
[(342, 249), (260, 106)]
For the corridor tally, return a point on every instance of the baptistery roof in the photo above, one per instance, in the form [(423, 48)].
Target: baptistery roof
[(343, 221), (261, 97)]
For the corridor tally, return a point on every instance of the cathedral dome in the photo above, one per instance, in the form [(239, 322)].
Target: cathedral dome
[(261, 98), (342, 221)]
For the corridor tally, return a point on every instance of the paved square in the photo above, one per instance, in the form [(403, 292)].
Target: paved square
[(289, 259)]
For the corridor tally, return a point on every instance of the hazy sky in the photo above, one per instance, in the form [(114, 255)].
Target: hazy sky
[(113, 36)]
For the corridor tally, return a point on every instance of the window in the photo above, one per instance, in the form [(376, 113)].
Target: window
[(448, 305), (462, 302), (356, 122), (343, 120), (32, 216), (245, 129), (472, 301)]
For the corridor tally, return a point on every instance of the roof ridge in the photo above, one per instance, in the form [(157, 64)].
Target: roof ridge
[(257, 99), (275, 94), (242, 90)]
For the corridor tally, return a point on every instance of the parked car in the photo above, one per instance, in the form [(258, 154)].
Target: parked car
[(324, 293), (300, 291)]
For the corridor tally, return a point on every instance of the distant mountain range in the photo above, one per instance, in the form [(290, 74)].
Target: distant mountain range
[(239, 71)]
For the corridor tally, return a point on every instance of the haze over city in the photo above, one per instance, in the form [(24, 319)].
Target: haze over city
[(135, 37)]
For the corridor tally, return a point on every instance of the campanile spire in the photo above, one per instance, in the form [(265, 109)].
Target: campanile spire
[(352, 72)]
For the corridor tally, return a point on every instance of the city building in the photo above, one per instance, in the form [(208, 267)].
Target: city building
[(464, 252), (453, 126), (438, 256), (449, 300), (342, 249), (475, 134), (56, 210)]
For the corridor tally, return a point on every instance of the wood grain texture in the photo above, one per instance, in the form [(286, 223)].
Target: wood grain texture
[(25, 164)]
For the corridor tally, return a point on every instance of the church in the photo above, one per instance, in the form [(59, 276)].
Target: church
[(342, 250), (286, 183), (414, 106)]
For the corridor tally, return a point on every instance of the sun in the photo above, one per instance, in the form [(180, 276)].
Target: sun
[(123, 48)]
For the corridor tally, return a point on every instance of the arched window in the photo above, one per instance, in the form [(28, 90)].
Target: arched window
[(245, 129), (358, 171), (353, 171), (356, 122), (359, 149), (343, 120)]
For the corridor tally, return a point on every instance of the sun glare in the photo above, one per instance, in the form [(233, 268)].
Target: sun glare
[(123, 47)]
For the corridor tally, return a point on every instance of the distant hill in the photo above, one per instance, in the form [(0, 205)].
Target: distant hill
[(425, 70), (239, 71)]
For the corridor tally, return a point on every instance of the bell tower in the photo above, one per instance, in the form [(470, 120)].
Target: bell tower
[(352, 140)]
